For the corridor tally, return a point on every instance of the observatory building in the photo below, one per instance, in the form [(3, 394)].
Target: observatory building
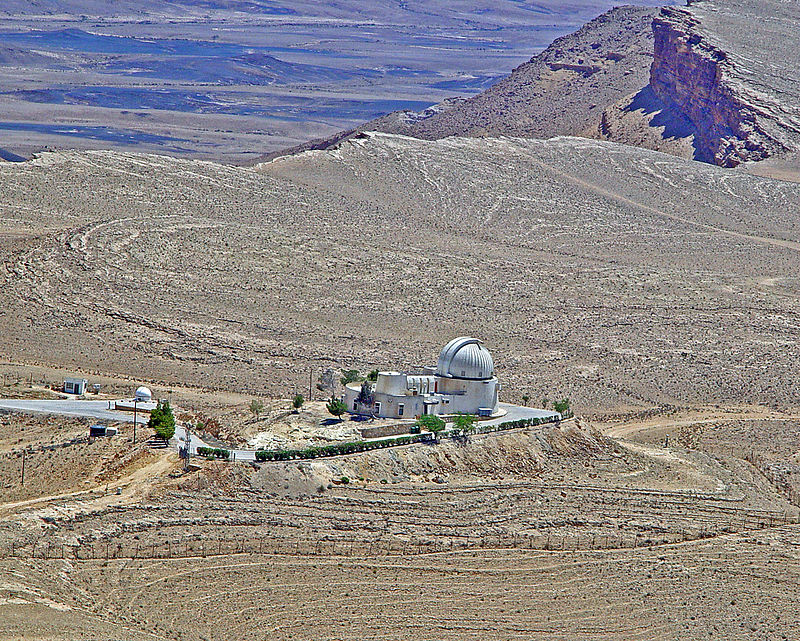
[(462, 381)]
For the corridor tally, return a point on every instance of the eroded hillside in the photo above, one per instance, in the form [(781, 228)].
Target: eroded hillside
[(731, 67)]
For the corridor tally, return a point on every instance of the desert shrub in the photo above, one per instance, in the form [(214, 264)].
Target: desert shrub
[(562, 407), (256, 407), (431, 423), (349, 376), (464, 423)]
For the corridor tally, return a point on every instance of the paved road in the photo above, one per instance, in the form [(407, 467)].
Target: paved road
[(88, 409), (100, 410), (516, 412)]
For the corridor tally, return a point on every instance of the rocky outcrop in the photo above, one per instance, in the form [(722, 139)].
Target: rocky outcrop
[(692, 74)]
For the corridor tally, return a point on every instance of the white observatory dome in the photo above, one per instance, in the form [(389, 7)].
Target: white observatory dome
[(143, 394), (465, 357)]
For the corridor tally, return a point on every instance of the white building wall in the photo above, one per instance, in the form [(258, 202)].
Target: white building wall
[(445, 396)]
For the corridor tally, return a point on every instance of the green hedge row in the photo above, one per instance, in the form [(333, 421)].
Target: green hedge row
[(214, 452), (365, 446), (339, 448)]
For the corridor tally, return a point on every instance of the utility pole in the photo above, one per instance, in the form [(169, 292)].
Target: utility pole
[(188, 440), (310, 382), (23, 467), (135, 401)]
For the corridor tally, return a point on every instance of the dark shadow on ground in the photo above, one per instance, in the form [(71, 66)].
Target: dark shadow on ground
[(676, 125)]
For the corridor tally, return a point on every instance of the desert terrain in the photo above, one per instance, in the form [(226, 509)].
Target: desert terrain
[(694, 81), (657, 293), (560, 533), (230, 81), (629, 278)]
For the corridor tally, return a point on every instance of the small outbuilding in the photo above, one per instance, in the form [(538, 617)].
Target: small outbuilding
[(142, 401), (102, 430), (75, 385)]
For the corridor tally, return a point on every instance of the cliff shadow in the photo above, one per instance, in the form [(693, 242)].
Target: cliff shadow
[(675, 125)]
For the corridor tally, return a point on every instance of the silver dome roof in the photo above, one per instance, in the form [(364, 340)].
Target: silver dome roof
[(465, 357)]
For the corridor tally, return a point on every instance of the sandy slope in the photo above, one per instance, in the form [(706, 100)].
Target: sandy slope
[(608, 274)]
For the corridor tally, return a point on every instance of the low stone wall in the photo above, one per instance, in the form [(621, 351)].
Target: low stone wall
[(381, 431)]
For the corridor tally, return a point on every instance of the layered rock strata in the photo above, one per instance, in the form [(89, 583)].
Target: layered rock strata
[(712, 62)]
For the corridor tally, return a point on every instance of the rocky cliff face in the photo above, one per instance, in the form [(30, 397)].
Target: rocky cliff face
[(699, 69)]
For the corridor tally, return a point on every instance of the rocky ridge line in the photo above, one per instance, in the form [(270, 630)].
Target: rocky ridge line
[(697, 78)]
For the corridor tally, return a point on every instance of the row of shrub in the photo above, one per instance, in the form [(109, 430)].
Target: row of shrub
[(339, 448), (505, 425), (214, 452)]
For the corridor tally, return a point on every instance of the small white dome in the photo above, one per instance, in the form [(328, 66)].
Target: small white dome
[(143, 394), (465, 357)]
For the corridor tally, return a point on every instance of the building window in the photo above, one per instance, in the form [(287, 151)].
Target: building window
[(400, 409), (377, 408), (463, 373), (355, 405)]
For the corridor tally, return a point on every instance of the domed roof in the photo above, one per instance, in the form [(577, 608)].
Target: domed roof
[(143, 393), (465, 357)]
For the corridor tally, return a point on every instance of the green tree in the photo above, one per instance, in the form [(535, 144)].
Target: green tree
[(162, 421), (431, 423), (464, 423), (256, 407), (297, 401), (545, 402), (349, 376), (336, 407), (372, 376), (526, 399), (562, 407)]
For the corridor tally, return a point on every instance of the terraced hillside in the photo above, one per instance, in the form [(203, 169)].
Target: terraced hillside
[(646, 288), (567, 535)]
